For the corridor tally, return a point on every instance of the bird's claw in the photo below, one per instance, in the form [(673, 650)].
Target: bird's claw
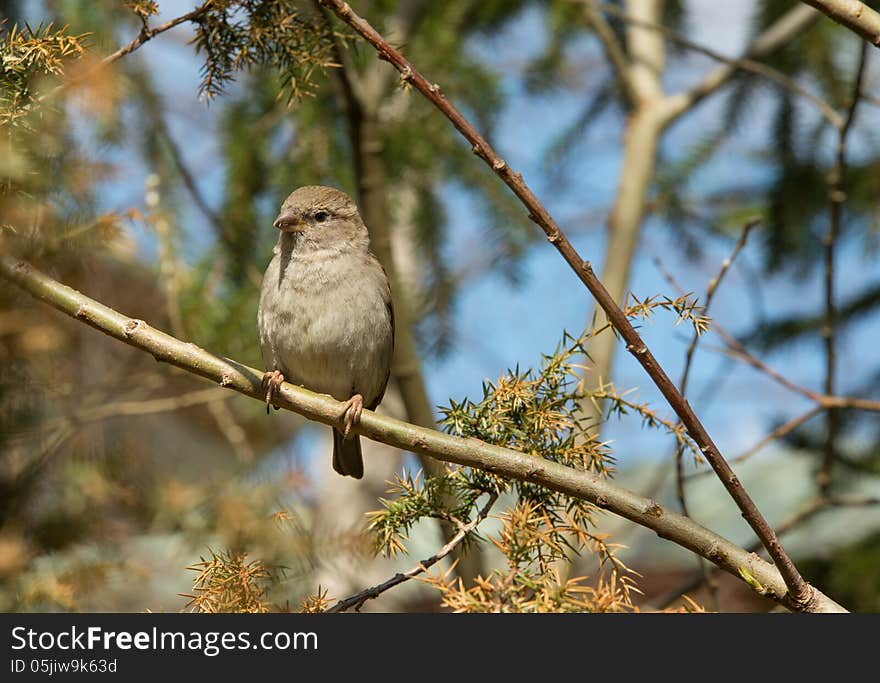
[(271, 381), (351, 413)]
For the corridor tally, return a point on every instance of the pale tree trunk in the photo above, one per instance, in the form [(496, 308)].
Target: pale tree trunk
[(645, 125), (642, 138), (640, 70)]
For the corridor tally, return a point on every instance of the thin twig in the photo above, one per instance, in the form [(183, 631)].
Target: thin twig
[(742, 63), (357, 600), (146, 407), (682, 386), (836, 198), (819, 504), (801, 592), (735, 349), (782, 430), (468, 452), (852, 402), (147, 33), (144, 36), (778, 34), (692, 348)]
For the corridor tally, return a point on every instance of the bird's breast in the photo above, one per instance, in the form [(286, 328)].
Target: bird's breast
[(325, 324)]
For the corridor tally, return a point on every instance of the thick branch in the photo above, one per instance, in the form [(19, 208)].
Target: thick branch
[(468, 452), (855, 15), (801, 591), (646, 49)]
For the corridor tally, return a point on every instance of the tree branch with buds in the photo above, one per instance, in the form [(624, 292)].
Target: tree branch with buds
[(762, 576)]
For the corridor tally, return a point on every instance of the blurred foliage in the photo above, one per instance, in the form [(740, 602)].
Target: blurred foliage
[(109, 464), (537, 412), (850, 575), (227, 582), (28, 54), (534, 545), (235, 35), (797, 156), (77, 478)]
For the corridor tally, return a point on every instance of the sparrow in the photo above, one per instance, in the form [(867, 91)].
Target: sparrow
[(325, 318)]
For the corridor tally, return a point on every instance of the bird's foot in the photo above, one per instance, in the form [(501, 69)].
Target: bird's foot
[(351, 413), (271, 381)]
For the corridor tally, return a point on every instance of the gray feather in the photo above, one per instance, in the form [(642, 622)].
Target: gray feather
[(325, 316)]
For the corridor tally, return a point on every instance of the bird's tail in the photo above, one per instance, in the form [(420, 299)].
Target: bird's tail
[(347, 458)]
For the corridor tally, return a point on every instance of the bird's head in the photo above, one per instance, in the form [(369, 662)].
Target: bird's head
[(321, 215)]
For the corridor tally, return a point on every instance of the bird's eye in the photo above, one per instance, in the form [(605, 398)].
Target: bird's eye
[(321, 216)]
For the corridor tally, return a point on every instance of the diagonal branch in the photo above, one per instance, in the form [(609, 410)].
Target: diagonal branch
[(692, 348), (856, 16), (683, 385), (801, 591), (357, 600), (420, 440), (144, 36)]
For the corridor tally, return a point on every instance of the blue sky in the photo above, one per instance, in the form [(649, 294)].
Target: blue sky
[(501, 326)]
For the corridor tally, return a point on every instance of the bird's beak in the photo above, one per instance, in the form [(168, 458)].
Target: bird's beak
[(289, 222)]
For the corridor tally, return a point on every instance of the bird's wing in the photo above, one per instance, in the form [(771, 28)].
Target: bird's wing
[(386, 294)]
